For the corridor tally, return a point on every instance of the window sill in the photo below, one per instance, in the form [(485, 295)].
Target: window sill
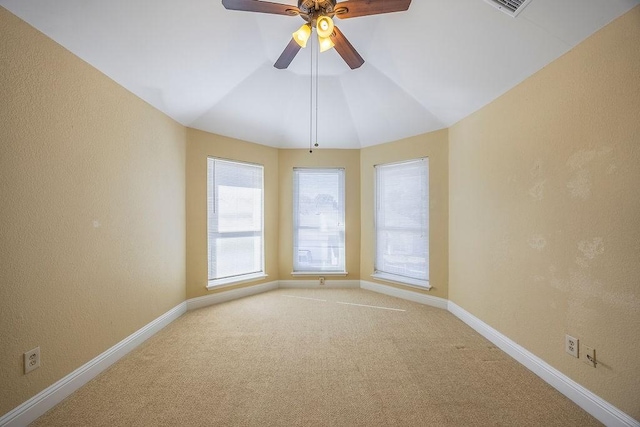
[(219, 283), (319, 273), (392, 278)]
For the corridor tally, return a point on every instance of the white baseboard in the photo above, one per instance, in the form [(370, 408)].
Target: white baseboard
[(602, 410), (225, 296), (405, 294), (315, 284), (33, 408)]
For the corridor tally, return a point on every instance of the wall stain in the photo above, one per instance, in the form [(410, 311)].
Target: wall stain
[(589, 249), (580, 184), (581, 159), (537, 242), (537, 191), (578, 163), (536, 170)]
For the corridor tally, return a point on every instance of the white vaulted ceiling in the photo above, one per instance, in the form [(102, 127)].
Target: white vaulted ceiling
[(212, 69)]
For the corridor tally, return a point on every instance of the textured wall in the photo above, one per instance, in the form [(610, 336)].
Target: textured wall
[(435, 146), (92, 222), (350, 161), (201, 145), (545, 212)]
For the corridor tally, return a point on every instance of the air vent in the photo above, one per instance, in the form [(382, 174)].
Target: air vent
[(510, 7)]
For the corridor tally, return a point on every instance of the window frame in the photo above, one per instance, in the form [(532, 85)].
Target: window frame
[(342, 269), (217, 282), (387, 276)]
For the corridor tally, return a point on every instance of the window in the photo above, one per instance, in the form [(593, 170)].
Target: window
[(402, 222), (318, 221), (234, 221)]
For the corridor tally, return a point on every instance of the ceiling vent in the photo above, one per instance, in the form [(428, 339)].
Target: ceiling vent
[(510, 7)]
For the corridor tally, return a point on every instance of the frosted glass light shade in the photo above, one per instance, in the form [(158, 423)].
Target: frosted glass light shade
[(324, 26), (302, 35), (325, 43)]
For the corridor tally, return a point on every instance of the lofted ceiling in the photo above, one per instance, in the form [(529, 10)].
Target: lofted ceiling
[(212, 69)]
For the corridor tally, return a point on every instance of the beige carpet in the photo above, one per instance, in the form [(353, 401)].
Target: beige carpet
[(297, 357)]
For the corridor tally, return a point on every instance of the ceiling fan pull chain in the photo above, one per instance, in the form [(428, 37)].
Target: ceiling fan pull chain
[(317, 84), (311, 97)]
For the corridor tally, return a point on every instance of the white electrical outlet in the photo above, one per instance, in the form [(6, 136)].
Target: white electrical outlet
[(571, 345), (590, 356), (31, 360), (321, 281)]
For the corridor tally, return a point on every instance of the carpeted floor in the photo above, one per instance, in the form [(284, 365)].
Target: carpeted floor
[(300, 357)]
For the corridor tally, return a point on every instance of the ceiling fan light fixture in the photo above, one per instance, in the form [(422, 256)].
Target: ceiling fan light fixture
[(325, 43), (302, 35), (324, 26)]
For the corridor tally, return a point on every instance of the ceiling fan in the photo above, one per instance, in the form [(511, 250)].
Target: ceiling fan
[(318, 14)]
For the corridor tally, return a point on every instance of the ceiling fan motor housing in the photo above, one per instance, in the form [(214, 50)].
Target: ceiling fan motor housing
[(311, 10)]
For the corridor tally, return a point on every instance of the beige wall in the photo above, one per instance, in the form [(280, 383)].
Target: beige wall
[(545, 212), (350, 161), (92, 222), (200, 146), (435, 146)]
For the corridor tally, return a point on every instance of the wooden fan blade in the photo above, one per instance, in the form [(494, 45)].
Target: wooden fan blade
[(346, 50), (287, 55), (261, 6), (355, 8)]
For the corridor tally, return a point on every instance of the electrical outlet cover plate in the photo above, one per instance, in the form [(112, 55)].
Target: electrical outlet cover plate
[(31, 360), (571, 345), (589, 356)]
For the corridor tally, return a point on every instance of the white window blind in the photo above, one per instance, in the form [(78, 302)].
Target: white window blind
[(402, 222), (234, 220), (318, 220)]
